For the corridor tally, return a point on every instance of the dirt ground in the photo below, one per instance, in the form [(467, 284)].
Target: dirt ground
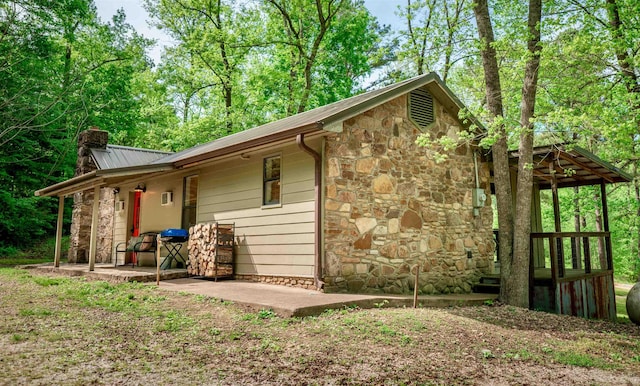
[(72, 331)]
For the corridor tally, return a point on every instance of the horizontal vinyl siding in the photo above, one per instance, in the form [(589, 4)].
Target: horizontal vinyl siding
[(119, 231), (277, 241)]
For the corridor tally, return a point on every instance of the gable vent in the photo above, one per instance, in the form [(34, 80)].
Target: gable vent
[(421, 108)]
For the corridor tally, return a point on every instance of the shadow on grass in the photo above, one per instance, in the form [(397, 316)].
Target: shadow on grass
[(42, 252)]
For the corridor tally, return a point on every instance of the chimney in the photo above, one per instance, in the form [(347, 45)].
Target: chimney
[(83, 201), (92, 138)]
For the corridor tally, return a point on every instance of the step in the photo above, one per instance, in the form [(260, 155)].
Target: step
[(485, 288), (490, 279)]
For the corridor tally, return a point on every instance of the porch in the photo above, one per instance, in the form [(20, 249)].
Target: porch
[(109, 273), (570, 272), (579, 277)]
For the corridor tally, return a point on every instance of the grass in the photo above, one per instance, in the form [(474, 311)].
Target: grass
[(42, 252), (621, 305), (82, 332)]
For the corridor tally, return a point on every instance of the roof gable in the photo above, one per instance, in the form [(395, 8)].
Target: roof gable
[(324, 118), (118, 162)]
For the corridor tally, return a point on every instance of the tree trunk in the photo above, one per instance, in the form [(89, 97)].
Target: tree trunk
[(637, 187), (519, 294), (514, 237), (628, 71), (502, 176)]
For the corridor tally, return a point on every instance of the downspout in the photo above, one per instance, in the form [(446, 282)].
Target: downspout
[(317, 273)]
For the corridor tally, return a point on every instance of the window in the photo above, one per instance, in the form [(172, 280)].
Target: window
[(271, 181), (189, 201)]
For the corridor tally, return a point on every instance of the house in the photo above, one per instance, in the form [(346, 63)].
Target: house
[(339, 198)]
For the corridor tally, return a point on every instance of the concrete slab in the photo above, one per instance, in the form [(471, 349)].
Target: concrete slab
[(289, 301), (108, 272), (285, 301)]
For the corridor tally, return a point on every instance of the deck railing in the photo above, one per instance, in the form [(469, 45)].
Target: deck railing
[(580, 252)]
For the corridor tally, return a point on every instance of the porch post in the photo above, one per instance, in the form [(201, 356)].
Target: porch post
[(94, 228), (556, 201), (556, 215), (605, 223), (56, 259), (605, 209)]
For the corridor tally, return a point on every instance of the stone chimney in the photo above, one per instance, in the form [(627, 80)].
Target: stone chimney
[(94, 138), (88, 139)]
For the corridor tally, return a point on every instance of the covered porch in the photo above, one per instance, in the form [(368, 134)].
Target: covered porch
[(571, 272), (93, 182)]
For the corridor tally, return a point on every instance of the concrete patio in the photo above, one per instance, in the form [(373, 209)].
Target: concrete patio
[(107, 272), (285, 301)]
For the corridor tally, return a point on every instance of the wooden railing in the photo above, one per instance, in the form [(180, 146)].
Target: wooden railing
[(581, 274), (575, 251)]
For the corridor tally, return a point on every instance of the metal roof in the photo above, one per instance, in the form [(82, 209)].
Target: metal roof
[(572, 166), (123, 156), (328, 118)]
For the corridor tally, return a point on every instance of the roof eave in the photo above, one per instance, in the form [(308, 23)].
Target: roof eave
[(594, 158), (260, 141), (98, 178), (56, 189)]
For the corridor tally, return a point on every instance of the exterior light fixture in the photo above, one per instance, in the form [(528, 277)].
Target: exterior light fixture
[(141, 187)]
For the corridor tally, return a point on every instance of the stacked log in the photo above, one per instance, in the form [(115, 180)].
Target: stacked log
[(210, 250)]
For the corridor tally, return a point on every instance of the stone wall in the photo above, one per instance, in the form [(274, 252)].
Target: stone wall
[(298, 282), (390, 206), (83, 205)]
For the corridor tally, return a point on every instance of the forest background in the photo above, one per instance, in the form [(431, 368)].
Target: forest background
[(237, 64)]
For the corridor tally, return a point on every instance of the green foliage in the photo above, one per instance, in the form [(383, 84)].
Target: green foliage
[(61, 71), (236, 66), (41, 252)]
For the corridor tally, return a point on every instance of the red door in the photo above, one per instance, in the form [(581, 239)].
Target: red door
[(135, 230)]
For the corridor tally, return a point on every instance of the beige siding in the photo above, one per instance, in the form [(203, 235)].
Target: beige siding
[(120, 226), (153, 216), (275, 240)]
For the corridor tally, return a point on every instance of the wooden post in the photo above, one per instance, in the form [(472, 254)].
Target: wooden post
[(415, 287), (556, 212), (532, 272), (56, 259), (587, 255), (605, 223), (94, 228), (158, 247)]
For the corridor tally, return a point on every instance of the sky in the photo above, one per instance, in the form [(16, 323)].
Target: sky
[(384, 10)]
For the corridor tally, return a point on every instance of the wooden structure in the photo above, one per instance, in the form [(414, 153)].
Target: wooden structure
[(211, 250), (571, 272)]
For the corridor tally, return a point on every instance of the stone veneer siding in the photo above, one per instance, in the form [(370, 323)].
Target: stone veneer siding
[(298, 282), (388, 206), (80, 234)]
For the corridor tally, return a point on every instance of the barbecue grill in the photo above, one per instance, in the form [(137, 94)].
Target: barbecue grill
[(172, 235), (173, 239)]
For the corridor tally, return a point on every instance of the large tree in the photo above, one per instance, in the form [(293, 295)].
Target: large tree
[(434, 38), (238, 65), (61, 70), (514, 228)]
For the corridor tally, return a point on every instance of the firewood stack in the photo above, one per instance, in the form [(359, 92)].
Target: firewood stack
[(211, 250)]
